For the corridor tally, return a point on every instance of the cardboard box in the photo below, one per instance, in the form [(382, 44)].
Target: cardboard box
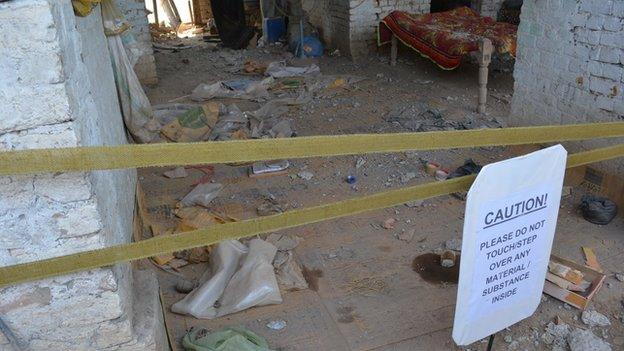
[(579, 300)]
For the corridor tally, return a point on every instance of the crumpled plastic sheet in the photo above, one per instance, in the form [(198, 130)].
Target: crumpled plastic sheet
[(237, 89), (232, 289), (278, 69)]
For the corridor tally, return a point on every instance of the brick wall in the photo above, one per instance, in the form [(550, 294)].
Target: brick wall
[(57, 90), (351, 25), (570, 64), (136, 15)]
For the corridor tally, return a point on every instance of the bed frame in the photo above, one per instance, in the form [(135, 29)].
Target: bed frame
[(484, 59)]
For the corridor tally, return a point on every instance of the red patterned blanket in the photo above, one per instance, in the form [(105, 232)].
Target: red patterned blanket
[(444, 37)]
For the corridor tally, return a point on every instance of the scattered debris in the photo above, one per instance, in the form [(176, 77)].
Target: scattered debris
[(268, 168), (255, 283), (573, 275), (280, 70), (389, 223), (158, 230), (407, 177), (619, 276), (252, 66), (178, 172), (590, 258), (305, 175), (415, 203), (441, 175), (556, 335), (594, 318), (270, 207), (565, 284), (598, 210), (360, 162), (277, 324), (431, 168), (201, 195), (289, 273), (245, 89), (447, 259), (453, 244), (188, 123), (184, 286), (235, 287), (312, 276), (365, 286), (407, 235), (429, 267), (566, 191), (469, 167), (585, 340), (580, 295)]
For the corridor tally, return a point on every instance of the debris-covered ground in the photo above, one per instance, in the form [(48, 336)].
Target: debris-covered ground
[(364, 289)]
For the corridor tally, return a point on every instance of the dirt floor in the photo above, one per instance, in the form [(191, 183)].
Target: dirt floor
[(365, 294)]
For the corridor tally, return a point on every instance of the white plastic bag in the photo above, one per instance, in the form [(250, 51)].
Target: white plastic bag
[(201, 195), (254, 284), (224, 261), (135, 106)]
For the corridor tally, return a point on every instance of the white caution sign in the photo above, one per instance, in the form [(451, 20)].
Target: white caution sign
[(510, 220)]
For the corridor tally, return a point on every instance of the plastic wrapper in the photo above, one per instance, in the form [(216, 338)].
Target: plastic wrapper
[(254, 284), (135, 106), (240, 89), (202, 195), (224, 261), (280, 70)]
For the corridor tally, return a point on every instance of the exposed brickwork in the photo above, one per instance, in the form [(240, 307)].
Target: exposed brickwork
[(351, 25), (57, 90), (570, 64), (136, 14)]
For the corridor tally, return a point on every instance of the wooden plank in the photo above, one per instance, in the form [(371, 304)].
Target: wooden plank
[(590, 259)]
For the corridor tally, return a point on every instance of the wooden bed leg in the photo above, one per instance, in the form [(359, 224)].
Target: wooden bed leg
[(485, 56), (393, 50)]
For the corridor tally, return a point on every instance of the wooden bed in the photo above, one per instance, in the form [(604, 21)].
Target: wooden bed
[(446, 37)]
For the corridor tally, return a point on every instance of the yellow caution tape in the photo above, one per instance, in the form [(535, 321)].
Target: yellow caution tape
[(201, 237), (237, 151)]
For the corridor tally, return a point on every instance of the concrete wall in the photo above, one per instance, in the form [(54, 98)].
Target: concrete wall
[(136, 14), (57, 90), (351, 25), (570, 64)]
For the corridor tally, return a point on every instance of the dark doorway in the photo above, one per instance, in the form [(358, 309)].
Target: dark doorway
[(446, 5)]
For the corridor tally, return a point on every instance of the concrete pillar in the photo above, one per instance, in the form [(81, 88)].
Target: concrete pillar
[(57, 90)]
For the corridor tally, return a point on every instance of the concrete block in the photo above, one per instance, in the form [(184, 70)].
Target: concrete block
[(595, 22), (609, 55), (601, 85), (613, 39), (605, 103), (618, 9), (613, 24)]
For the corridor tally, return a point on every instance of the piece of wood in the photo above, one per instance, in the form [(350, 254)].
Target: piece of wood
[(155, 12), (575, 299), (590, 259), (562, 283), (565, 272), (484, 59), (394, 47)]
